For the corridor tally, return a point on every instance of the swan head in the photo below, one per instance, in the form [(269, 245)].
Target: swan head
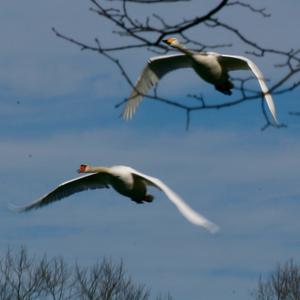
[(83, 168), (92, 169), (173, 42)]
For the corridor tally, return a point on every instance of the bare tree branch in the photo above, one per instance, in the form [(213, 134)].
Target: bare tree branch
[(151, 1), (261, 11), (282, 284), (148, 33), (27, 278)]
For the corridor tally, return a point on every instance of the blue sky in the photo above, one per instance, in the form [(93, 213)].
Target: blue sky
[(57, 111)]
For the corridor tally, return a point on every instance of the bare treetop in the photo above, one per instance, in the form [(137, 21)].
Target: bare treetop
[(148, 30), (282, 284), (26, 277)]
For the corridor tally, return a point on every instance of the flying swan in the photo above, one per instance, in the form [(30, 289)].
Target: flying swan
[(124, 180), (210, 66)]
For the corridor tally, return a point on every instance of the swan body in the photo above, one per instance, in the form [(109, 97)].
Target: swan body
[(126, 181), (210, 66)]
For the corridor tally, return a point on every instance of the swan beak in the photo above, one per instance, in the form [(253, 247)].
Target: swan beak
[(169, 41)]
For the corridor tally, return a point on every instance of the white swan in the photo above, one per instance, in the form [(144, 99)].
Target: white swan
[(210, 66), (124, 180)]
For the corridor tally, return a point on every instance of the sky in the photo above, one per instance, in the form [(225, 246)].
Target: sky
[(57, 111)]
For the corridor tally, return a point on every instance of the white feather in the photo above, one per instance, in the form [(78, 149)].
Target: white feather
[(212, 67), (234, 62), (191, 215), (66, 189), (102, 179), (155, 69)]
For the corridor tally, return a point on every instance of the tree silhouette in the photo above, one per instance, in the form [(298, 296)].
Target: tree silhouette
[(26, 278), (140, 32), (282, 284)]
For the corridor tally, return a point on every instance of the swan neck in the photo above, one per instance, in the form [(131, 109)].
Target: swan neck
[(95, 169), (184, 50)]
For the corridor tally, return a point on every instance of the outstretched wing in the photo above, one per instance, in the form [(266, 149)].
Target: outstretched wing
[(68, 188), (191, 215), (233, 62), (155, 69)]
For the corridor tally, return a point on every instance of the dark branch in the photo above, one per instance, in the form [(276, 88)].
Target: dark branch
[(149, 33), (261, 11), (150, 1)]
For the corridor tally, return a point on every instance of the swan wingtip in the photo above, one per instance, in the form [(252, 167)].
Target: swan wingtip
[(14, 208), (212, 228)]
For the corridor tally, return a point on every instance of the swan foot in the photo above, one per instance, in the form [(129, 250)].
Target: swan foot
[(149, 198), (225, 88)]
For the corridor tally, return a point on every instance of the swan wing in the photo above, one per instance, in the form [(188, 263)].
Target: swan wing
[(68, 188), (191, 215), (155, 69), (232, 62)]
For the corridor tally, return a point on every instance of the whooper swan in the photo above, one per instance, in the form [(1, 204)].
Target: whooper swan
[(127, 182), (210, 66)]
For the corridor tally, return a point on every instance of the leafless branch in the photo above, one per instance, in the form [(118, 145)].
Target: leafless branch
[(27, 278), (282, 284), (148, 33), (261, 11), (151, 1)]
